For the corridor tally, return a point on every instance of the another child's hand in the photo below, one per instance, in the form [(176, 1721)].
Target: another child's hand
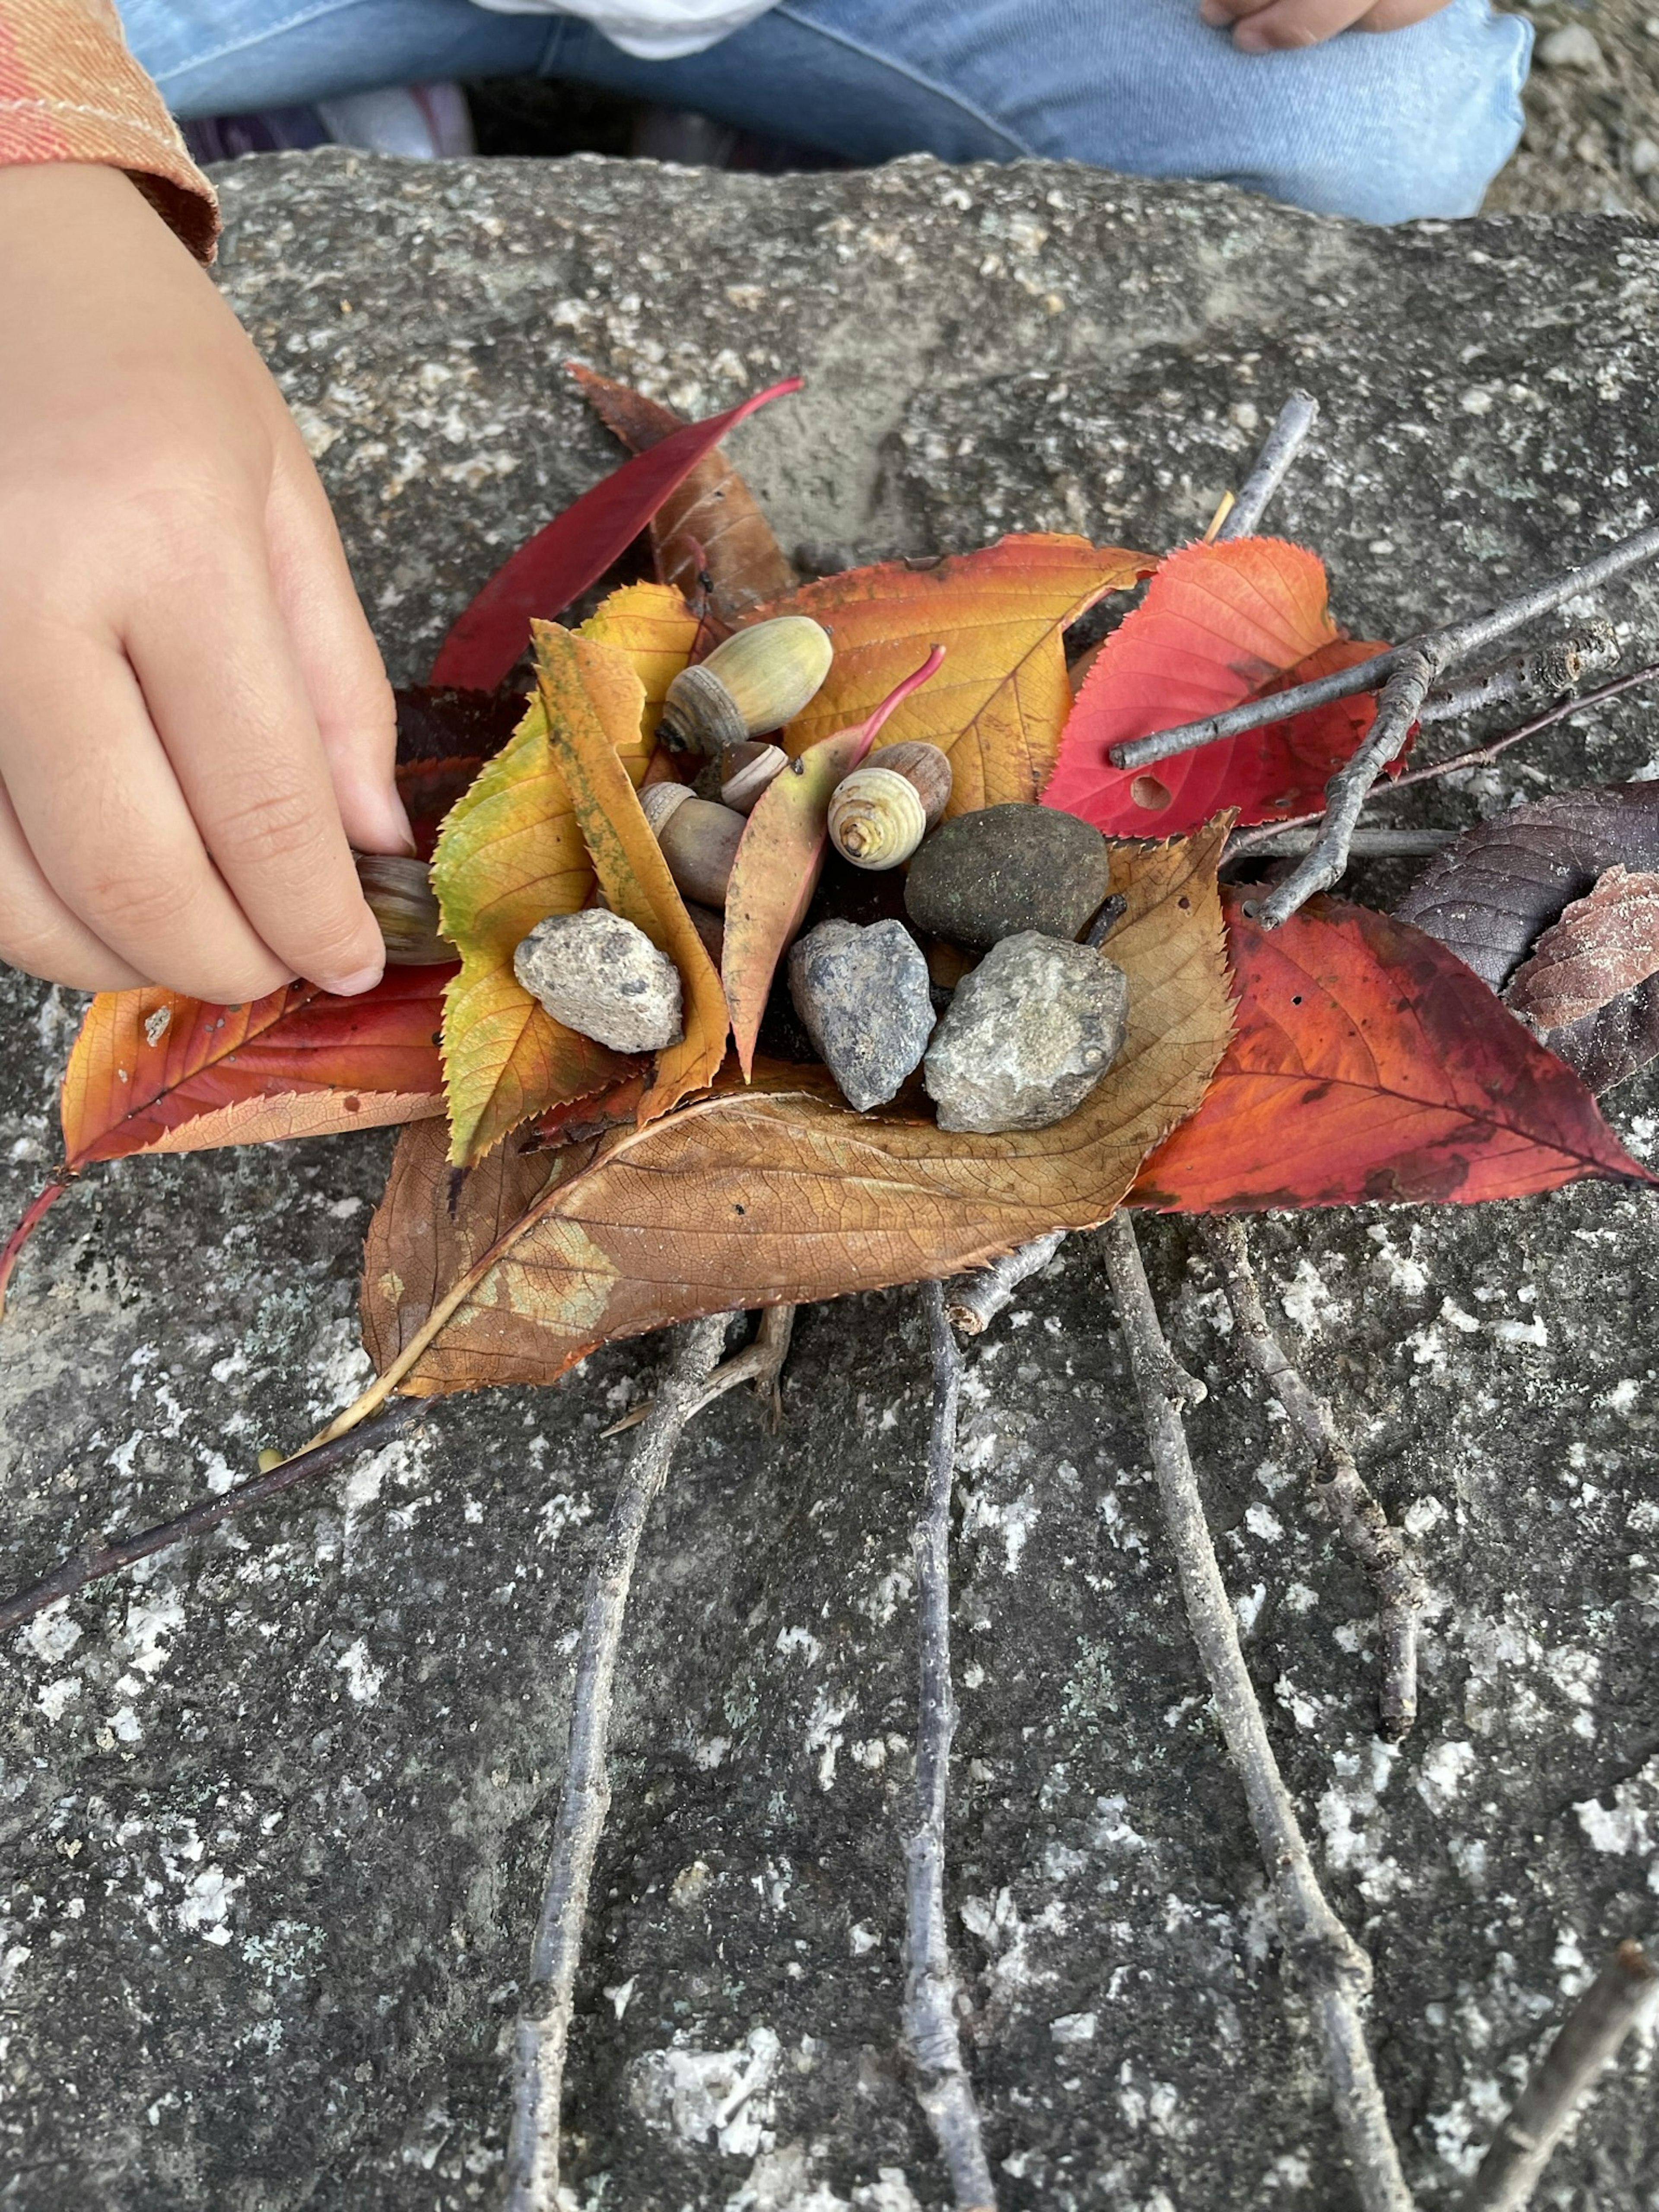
[(193, 716), (1261, 25)]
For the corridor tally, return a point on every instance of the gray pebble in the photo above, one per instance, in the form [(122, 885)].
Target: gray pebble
[(863, 997), (1030, 1033), (599, 975), (990, 874)]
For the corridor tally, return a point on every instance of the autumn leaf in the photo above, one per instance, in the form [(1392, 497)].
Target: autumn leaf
[(1604, 945), (1001, 700), (1369, 1064), (652, 625), (712, 526), (592, 700), (575, 549), (511, 854), (745, 1198), (1220, 624), (780, 859)]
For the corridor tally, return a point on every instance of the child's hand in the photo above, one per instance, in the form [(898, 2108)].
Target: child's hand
[(193, 715), (1261, 26)]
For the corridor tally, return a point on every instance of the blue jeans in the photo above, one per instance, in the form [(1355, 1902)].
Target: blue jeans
[(1385, 126)]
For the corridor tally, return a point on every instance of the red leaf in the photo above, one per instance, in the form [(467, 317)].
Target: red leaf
[(1220, 624), (1369, 1064), (575, 549)]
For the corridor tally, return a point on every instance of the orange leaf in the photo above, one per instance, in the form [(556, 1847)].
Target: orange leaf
[(591, 698), (652, 625), (751, 1197), (1003, 698), (1220, 624), (1369, 1064)]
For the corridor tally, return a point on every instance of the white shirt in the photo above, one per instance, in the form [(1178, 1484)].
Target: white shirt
[(656, 30)]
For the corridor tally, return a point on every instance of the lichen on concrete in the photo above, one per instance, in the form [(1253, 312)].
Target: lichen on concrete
[(274, 1811)]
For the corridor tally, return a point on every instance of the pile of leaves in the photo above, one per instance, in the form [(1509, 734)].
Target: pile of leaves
[(549, 1195)]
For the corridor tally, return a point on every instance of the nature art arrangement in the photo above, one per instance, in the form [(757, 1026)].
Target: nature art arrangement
[(801, 939)]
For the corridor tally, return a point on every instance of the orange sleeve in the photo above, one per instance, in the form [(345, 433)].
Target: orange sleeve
[(69, 91)]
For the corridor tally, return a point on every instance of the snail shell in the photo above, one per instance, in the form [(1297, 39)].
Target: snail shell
[(399, 891), (876, 818), (758, 680), (925, 766), (699, 840)]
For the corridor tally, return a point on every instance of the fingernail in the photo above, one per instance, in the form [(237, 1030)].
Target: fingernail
[(360, 978)]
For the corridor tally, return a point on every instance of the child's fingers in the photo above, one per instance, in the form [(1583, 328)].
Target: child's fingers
[(1285, 25), (37, 930), (1398, 15), (223, 687), (339, 661)]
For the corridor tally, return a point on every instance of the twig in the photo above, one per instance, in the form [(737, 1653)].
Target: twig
[(973, 1300), (760, 1363), (1589, 2041), (1288, 840), (943, 2088), (1344, 1494), (543, 2028), (1284, 441), (1247, 840), (1346, 792), (1337, 1970), (12, 1251), (1446, 649), (83, 1567), (1556, 666)]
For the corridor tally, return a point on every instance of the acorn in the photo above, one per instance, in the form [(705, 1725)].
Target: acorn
[(399, 891), (699, 840), (749, 769), (758, 680), (880, 813)]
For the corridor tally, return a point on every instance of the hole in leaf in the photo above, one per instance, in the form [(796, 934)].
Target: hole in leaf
[(1146, 791)]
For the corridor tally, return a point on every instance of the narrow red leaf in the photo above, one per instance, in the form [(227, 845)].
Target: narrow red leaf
[(25, 1228), (1369, 1064), (575, 549)]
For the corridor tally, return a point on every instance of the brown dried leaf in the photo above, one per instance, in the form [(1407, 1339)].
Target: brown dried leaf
[(1603, 945), (759, 1197)]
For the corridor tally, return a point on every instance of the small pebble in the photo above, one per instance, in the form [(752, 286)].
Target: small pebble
[(602, 976), (993, 873), (863, 994), (1030, 1033), (1573, 47)]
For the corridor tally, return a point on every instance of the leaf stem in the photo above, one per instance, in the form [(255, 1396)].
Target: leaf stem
[(26, 1228)]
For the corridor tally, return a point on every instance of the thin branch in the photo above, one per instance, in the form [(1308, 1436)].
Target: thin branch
[(1445, 649), (1338, 1971), (1284, 441), (1348, 789), (973, 1300), (943, 2088), (760, 1363), (88, 1566), (1588, 2042), (1246, 840), (1554, 667), (1343, 1495), (542, 2030), (1286, 840)]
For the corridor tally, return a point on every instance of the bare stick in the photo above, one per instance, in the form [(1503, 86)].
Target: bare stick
[(1293, 838), (760, 1363), (83, 1567), (1347, 790), (1338, 1971), (543, 2028), (1556, 666), (973, 1300), (1344, 1494), (943, 2088), (1284, 441), (1247, 841), (1446, 649), (1589, 2042)]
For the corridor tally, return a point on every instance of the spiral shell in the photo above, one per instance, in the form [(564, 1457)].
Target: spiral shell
[(399, 892), (758, 680), (876, 818)]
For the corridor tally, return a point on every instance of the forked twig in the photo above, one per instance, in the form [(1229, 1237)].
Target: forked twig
[(542, 2032), (1344, 1494), (1588, 2042), (1556, 666), (760, 1363), (1337, 1970), (1283, 443), (931, 2034), (88, 1566), (973, 1300)]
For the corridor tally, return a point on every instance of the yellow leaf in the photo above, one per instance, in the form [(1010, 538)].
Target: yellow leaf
[(589, 692), (652, 625)]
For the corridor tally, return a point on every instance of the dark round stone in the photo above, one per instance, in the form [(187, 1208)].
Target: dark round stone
[(989, 875)]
